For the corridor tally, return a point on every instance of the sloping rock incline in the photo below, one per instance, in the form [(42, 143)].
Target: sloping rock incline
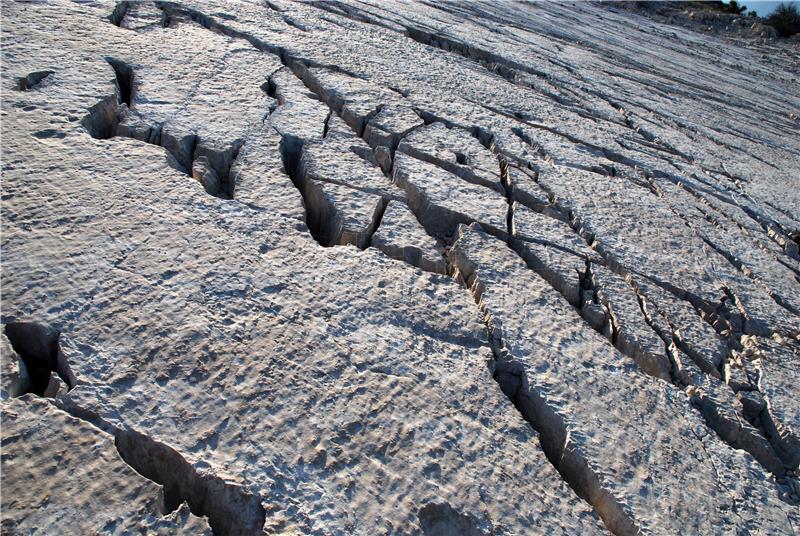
[(355, 267)]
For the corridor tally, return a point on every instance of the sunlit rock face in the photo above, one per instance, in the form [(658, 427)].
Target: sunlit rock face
[(395, 268)]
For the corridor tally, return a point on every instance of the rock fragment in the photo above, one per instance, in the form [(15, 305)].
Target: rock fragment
[(456, 151), (552, 248), (402, 237), (441, 200)]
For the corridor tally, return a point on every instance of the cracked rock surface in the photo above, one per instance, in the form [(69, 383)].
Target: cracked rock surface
[(61, 474), (356, 267)]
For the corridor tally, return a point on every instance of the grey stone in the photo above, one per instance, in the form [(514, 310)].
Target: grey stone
[(89, 486), (402, 237), (442, 200)]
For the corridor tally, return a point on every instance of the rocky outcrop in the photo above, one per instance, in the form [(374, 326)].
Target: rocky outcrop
[(370, 267)]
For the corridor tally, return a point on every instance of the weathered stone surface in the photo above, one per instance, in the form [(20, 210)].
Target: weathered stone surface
[(693, 334), (571, 384), (553, 249), (14, 379), (631, 333), (526, 191), (298, 115), (346, 160), (182, 186), (341, 215), (724, 414), (391, 125), (776, 373), (354, 99), (456, 151)]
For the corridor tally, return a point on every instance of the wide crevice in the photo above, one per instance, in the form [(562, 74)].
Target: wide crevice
[(229, 507), (119, 12), (214, 168), (211, 165), (291, 151), (125, 80), (39, 349), (322, 216), (441, 519)]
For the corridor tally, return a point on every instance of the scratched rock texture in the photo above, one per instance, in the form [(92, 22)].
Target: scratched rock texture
[(351, 267)]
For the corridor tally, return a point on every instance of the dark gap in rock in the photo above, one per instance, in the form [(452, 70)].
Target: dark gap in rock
[(166, 19), (31, 80), (376, 223), (118, 14), (291, 149), (402, 93), (294, 24), (39, 347), (553, 434), (124, 75), (485, 137), (427, 117), (505, 181), (230, 508), (102, 119), (213, 168), (172, 497), (730, 433), (443, 520), (327, 120)]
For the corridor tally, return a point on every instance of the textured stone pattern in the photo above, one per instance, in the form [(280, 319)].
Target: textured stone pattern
[(353, 267)]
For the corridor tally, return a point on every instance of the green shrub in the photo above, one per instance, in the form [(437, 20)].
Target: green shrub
[(785, 19)]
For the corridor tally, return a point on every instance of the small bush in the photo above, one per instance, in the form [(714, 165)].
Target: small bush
[(722, 7), (785, 19), (734, 7)]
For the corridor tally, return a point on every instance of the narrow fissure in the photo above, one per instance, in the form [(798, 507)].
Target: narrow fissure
[(230, 508), (553, 435), (505, 181)]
